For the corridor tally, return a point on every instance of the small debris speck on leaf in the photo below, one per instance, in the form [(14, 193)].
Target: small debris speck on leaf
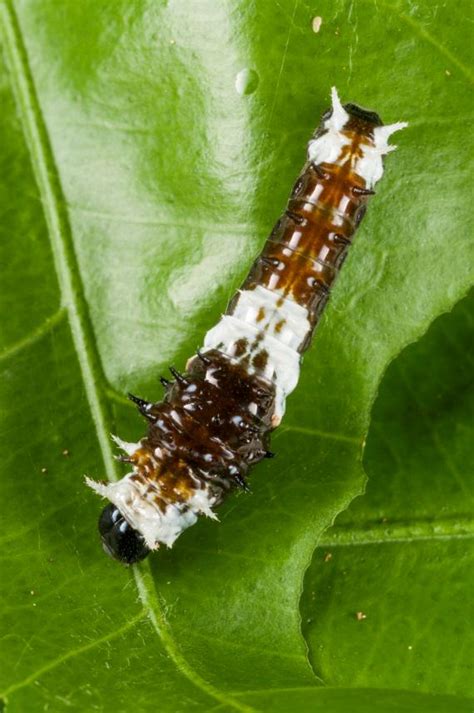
[(328, 556), (360, 616), (44, 470), (66, 452)]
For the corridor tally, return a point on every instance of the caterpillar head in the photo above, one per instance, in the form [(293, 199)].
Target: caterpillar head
[(119, 539), (350, 133)]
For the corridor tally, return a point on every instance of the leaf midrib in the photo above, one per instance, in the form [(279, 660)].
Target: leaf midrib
[(44, 168), (73, 299)]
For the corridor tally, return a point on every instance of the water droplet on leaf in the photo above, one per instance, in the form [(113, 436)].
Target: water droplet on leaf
[(246, 81)]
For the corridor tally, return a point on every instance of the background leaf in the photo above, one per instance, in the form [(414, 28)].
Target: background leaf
[(137, 173), (402, 554)]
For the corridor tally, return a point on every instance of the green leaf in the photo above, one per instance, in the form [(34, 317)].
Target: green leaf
[(402, 554), (139, 181)]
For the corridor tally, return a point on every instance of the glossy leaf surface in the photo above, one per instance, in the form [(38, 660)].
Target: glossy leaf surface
[(138, 183)]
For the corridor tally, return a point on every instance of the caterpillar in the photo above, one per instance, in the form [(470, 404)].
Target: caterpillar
[(215, 420)]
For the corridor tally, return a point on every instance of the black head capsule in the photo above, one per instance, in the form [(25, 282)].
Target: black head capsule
[(370, 117), (119, 539)]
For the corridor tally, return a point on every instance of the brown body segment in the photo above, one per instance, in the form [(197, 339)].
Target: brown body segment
[(309, 243), (213, 421)]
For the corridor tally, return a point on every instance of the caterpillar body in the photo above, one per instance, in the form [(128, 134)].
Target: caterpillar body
[(215, 420)]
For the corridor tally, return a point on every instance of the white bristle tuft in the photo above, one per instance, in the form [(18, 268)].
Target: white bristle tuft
[(339, 115), (128, 448), (383, 133), (100, 488)]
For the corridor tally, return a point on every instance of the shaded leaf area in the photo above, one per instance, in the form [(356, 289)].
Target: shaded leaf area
[(402, 554), (157, 182)]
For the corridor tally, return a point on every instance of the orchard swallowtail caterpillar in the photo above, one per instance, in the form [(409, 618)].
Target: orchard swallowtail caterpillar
[(215, 420)]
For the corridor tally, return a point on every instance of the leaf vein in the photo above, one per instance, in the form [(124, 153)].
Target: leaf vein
[(72, 654), (44, 328), (322, 434), (415, 25), (388, 533)]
